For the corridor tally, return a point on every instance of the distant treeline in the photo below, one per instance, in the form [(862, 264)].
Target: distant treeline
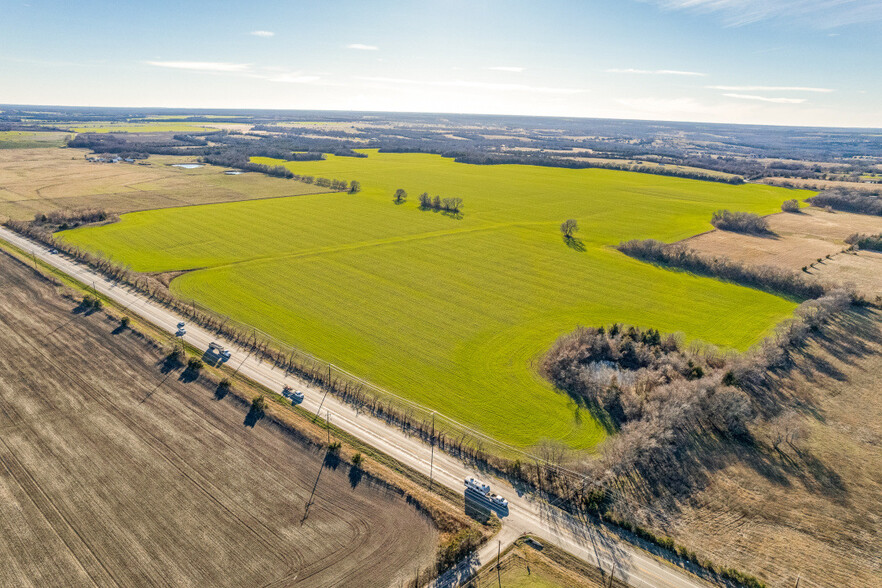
[(482, 158), (764, 277), (849, 201)]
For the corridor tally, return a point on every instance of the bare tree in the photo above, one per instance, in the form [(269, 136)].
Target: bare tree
[(568, 227)]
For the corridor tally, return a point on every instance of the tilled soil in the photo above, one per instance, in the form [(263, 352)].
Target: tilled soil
[(116, 471)]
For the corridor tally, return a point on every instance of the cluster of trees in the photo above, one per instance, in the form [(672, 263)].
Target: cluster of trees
[(848, 201), (739, 222), (453, 205), (862, 241), (68, 219), (662, 396), (766, 277)]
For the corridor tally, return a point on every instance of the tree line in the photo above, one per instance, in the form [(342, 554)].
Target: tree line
[(453, 205), (861, 241), (765, 277), (849, 201)]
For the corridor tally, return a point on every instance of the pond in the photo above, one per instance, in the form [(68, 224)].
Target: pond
[(187, 165)]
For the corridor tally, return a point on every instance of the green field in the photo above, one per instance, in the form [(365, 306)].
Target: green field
[(454, 312), (30, 139)]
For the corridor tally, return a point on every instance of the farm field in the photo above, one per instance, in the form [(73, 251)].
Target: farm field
[(454, 312), (116, 471), (145, 127), (800, 240), (30, 139), (42, 180)]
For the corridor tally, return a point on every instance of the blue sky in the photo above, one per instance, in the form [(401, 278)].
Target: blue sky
[(811, 62)]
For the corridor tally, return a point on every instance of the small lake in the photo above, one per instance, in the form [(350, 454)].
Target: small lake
[(234, 173), (187, 165)]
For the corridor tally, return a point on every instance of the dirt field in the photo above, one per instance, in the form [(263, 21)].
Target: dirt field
[(41, 180), (800, 239), (115, 471), (811, 509)]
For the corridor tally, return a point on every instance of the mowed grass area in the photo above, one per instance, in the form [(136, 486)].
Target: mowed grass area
[(454, 312)]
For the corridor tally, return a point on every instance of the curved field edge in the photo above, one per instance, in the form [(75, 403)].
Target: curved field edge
[(454, 312)]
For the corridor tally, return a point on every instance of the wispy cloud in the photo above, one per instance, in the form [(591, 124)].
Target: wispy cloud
[(213, 66), (507, 68), (290, 78), (262, 33), (821, 14), (655, 72), (474, 85), (362, 47), (766, 99), (770, 89)]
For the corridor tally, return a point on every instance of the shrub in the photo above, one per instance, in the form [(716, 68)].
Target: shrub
[(194, 364), (124, 322), (258, 404), (225, 384), (739, 222), (357, 459), (873, 242), (334, 447), (790, 205)]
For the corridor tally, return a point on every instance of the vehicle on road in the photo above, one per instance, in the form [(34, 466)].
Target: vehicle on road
[(181, 332), (296, 396), (498, 501), (53, 251), (216, 348), (477, 486), (181, 325)]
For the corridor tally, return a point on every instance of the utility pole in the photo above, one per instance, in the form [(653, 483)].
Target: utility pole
[(34, 254), (329, 427), (432, 458), (498, 572)]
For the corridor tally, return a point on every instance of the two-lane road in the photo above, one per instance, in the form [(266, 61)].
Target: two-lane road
[(526, 513)]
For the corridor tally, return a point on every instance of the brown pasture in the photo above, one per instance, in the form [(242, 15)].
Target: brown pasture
[(117, 470), (42, 180), (799, 240)]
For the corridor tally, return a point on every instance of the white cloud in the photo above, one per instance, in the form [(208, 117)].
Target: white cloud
[(214, 66), (656, 72), (507, 68), (473, 85), (262, 33), (821, 14), (362, 47), (770, 89), (766, 99)]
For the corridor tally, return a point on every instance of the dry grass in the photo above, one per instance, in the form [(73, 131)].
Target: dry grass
[(811, 184), (811, 509), (534, 563), (800, 240), (123, 471), (41, 180)]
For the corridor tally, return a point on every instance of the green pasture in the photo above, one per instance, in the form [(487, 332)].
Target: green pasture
[(30, 139), (454, 312)]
